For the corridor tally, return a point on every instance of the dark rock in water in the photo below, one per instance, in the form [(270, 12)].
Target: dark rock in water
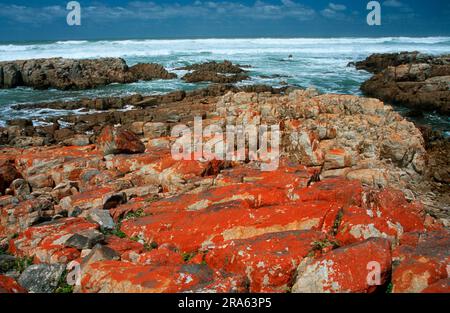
[(42, 278), (146, 71), (414, 114), (67, 74), (217, 67), (377, 62), (414, 80), (118, 140), (20, 122), (220, 73)]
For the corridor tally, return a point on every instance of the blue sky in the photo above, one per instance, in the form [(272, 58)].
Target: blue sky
[(115, 19)]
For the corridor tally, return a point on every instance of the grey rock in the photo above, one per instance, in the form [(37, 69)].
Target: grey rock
[(42, 278), (103, 218), (100, 253), (85, 239)]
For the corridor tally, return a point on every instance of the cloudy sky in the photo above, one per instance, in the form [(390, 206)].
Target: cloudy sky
[(117, 19)]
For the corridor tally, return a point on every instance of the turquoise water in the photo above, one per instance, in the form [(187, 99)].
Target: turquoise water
[(320, 62)]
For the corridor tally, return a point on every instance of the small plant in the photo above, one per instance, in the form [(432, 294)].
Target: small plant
[(113, 232), (187, 256), (63, 286), (389, 288), (20, 264), (337, 222), (132, 215), (325, 243)]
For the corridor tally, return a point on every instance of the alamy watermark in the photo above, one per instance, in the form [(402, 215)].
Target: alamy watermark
[(74, 15), (238, 143)]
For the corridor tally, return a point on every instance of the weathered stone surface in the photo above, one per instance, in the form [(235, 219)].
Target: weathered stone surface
[(85, 239), (114, 141), (41, 278), (46, 242), (228, 225), (214, 72), (345, 269), (8, 173), (269, 261), (76, 74), (423, 261), (115, 276), (10, 285), (411, 79), (102, 218)]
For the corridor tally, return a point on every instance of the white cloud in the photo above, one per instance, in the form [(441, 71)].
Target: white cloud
[(337, 7), (146, 10), (393, 3), (335, 11)]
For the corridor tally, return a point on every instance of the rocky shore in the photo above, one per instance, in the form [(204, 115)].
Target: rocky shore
[(412, 79), (67, 74), (101, 198)]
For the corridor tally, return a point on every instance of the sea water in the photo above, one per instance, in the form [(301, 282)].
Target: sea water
[(318, 62)]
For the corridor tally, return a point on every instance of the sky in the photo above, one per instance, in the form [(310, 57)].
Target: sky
[(36, 20)]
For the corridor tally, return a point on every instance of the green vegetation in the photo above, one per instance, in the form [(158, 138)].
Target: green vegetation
[(325, 243), (20, 264), (63, 286), (132, 215), (389, 288), (337, 222), (188, 256)]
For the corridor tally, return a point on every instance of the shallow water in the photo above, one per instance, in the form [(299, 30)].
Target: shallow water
[(315, 62)]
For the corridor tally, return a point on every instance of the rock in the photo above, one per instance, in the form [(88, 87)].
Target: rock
[(155, 130), (346, 269), (214, 72), (413, 80), (46, 242), (131, 278), (422, 261), (10, 285), (150, 71), (8, 173), (40, 181), (6, 262), (78, 140), (66, 74), (377, 62), (99, 253), (269, 261), (85, 239), (115, 141), (102, 218), (20, 188), (42, 278)]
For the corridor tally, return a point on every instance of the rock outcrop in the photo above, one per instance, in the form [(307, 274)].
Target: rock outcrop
[(414, 80), (222, 73), (337, 202), (67, 74)]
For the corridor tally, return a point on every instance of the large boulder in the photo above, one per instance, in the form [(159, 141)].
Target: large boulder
[(75, 74), (119, 141), (413, 80)]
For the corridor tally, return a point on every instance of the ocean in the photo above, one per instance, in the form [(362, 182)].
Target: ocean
[(318, 62)]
